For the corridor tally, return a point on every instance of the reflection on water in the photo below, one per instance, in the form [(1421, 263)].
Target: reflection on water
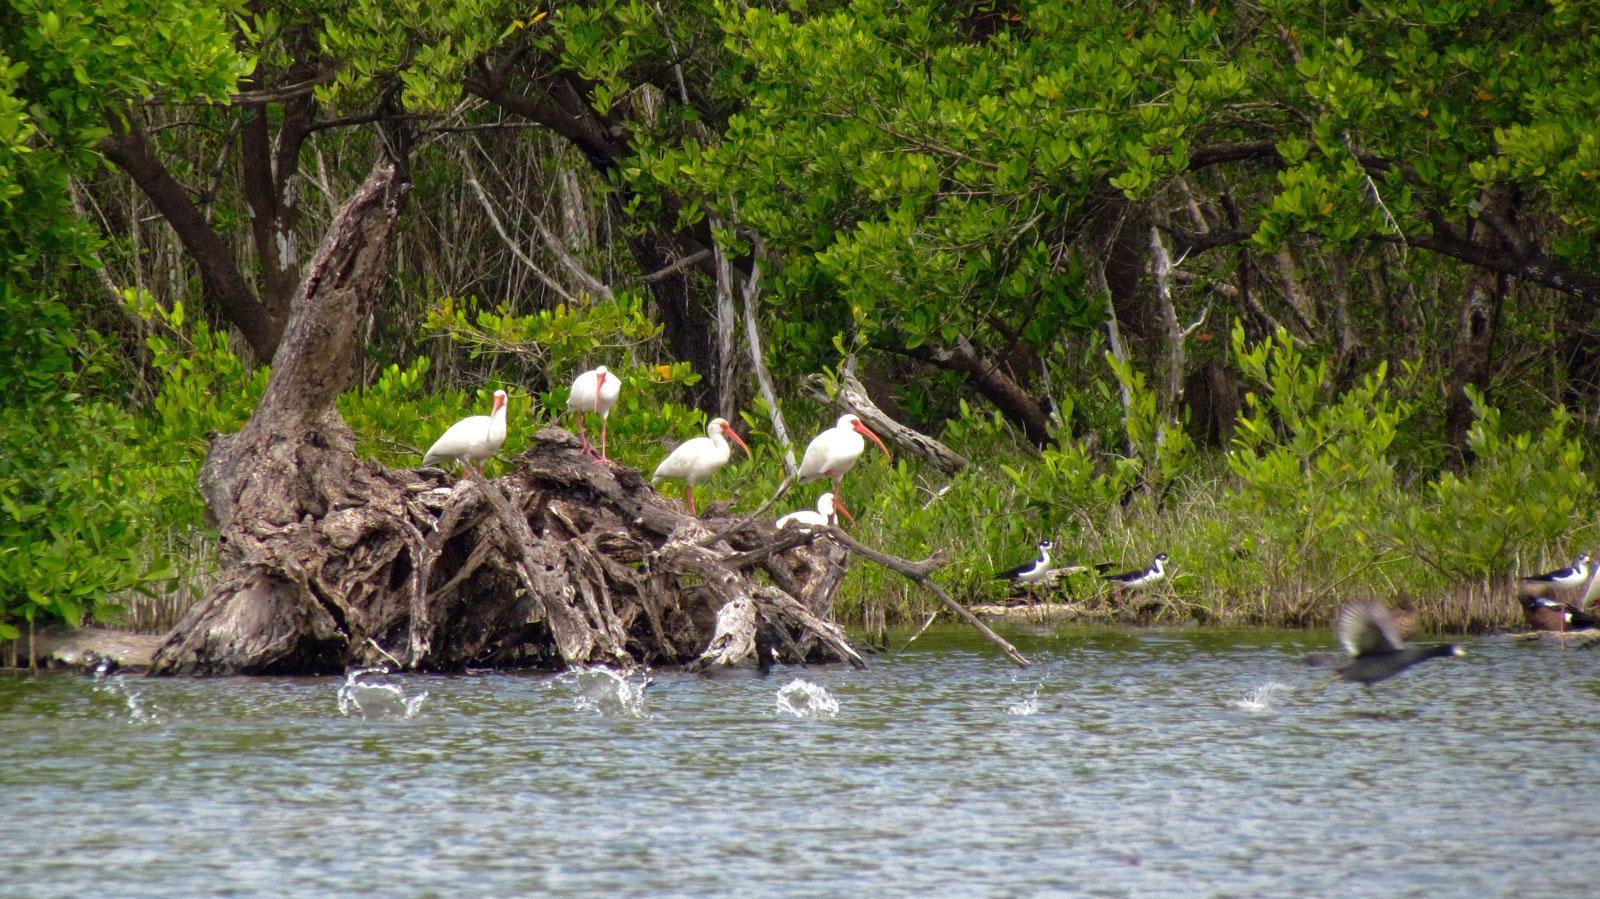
[(1124, 763)]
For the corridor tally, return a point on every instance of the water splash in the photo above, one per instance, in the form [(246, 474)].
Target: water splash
[(613, 694), (358, 698), (803, 699), (115, 687), (1027, 706), (1260, 699)]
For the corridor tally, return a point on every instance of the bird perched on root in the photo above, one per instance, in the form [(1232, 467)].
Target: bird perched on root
[(1373, 649), (1545, 614), (827, 505), (696, 460), (835, 451), (1562, 580), (472, 439), (595, 390)]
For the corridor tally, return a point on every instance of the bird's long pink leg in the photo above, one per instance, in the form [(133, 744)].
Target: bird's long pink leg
[(688, 495), (597, 384), (583, 436)]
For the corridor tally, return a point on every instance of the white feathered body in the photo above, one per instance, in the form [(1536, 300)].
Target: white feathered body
[(472, 439), (697, 459), (807, 518), (591, 394), (833, 452)]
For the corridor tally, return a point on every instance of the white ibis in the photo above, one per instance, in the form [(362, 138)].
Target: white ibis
[(1140, 578), (594, 391), (827, 505), (697, 459), (835, 451), (472, 439)]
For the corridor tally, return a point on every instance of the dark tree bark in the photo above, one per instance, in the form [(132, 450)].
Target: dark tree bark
[(560, 104), (1470, 352), (990, 379), (230, 295), (271, 175)]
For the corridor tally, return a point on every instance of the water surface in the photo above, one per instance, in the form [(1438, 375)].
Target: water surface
[(1124, 763)]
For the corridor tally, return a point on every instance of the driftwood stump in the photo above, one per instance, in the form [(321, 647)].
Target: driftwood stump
[(331, 562)]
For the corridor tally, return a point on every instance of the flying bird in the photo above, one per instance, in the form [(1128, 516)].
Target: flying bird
[(1373, 649)]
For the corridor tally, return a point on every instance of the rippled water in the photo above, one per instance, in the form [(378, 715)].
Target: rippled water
[(1123, 763)]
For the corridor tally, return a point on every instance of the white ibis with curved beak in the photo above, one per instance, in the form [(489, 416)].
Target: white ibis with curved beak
[(835, 451), (594, 391), (472, 439), (827, 505), (697, 459)]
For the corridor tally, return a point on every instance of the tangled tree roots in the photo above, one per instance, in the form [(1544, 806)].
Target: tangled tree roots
[(565, 561), (330, 562)]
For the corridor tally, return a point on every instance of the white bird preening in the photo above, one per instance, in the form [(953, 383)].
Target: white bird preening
[(835, 451), (697, 459), (594, 391), (472, 439), (827, 505)]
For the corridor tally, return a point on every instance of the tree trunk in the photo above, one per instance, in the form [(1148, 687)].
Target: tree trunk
[(331, 562)]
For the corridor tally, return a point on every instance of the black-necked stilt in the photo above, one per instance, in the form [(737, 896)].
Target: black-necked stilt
[(1140, 578), (1373, 649), (1545, 614), (1570, 578), (1031, 572)]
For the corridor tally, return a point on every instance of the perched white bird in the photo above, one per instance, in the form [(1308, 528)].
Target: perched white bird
[(594, 391), (835, 451), (697, 459), (827, 505), (472, 439)]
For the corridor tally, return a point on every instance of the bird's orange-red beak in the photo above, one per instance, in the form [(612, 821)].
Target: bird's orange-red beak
[(838, 506), (599, 382), (499, 403), (727, 430), (866, 432)]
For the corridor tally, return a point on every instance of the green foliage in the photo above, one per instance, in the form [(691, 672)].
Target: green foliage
[(1523, 493)]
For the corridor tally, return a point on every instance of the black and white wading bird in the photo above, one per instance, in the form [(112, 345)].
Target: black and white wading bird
[(1373, 649), (1140, 578), (1545, 614), (1562, 579), (1030, 573)]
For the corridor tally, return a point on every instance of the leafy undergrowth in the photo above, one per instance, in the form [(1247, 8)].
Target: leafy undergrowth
[(1315, 503)]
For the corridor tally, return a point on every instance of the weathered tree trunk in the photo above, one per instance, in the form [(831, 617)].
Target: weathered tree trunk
[(331, 562)]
